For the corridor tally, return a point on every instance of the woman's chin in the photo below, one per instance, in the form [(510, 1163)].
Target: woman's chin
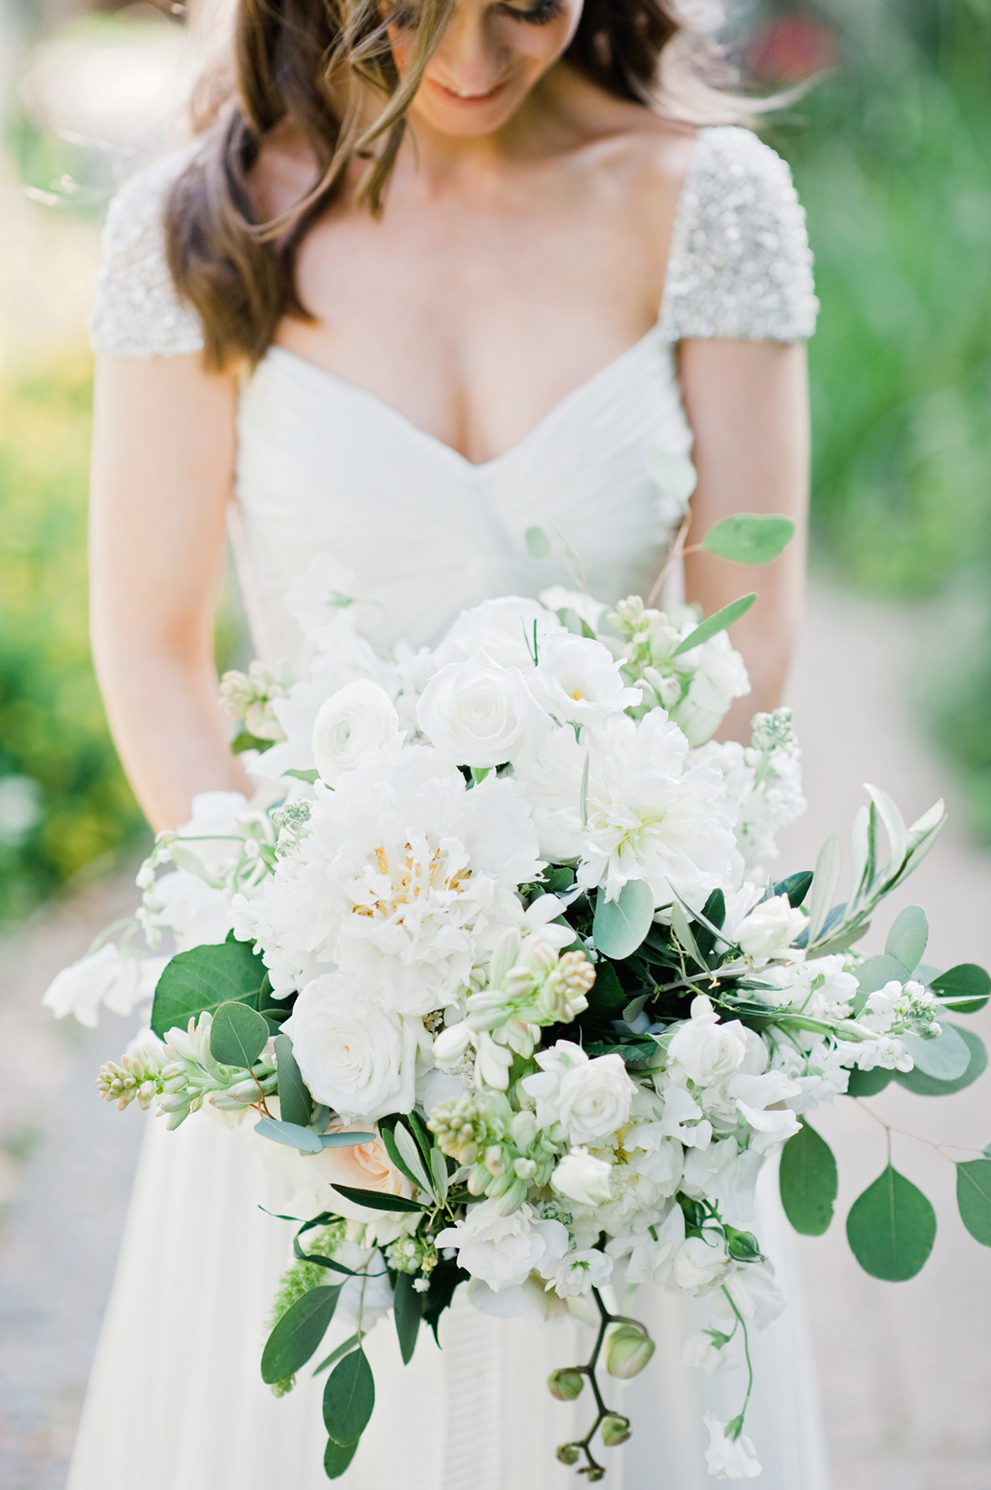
[(466, 117)]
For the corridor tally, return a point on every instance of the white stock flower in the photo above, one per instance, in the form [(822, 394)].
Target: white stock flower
[(504, 1250), (577, 1273), (583, 1178), (701, 1263), (770, 928), (727, 1458), (578, 681), (590, 1098), (481, 715), (357, 1059), (111, 977), (356, 720), (500, 632)]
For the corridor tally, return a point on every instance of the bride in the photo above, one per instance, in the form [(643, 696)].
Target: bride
[(433, 274)]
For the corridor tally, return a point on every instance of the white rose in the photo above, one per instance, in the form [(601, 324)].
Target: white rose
[(701, 1263), (578, 681), (504, 1250), (770, 927), (708, 1052), (480, 715), (360, 1061), (584, 1178), (357, 719), (594, 1098)]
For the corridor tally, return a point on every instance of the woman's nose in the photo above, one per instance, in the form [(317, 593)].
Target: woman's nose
[(468, 59)]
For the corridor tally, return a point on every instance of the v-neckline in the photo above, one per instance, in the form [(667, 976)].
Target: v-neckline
[(364, 395)]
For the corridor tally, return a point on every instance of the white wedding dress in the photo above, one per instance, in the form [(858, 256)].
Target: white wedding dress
[(176, 1401)]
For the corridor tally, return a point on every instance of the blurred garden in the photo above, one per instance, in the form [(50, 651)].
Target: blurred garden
[(892, 151)]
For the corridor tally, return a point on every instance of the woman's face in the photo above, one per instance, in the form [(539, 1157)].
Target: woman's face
[(488, 60)]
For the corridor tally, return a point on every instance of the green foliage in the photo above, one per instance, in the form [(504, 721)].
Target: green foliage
[(908, 937), (945, 1059), (408, 1313), (295, 1102), (716, 623), (750, 538), (202, 979), (924, 1085), (808, 1181), (298, 1333), (620, 925), (891, 1228), (974, 1198), (238, 1035), (348, 1399), (964, 988)]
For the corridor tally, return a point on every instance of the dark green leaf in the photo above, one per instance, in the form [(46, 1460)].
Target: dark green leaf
[(298, 1333), (246, 741), (750, 538), (310, 777), (908, 936), (607, 992), (376, 1201), (337, 1457), (927, 1086), (295, 1102), (714, 909), (944, 1059), (964, 989), (620, 925), (974, 1198), (444, 1281), (335, 1355), (891, 1228), (200, 980), (348, 1398), (238, 1035), (796, 887), (712, 625), (808, 1181), (408, 1314), (869, 1083), (634, 1050)]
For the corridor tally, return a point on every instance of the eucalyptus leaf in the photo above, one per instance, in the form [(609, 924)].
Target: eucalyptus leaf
[(945, 1059), (928, 1086), (311, 777), (298, 1333), (868, 1083), (238, 1035), (715, 623), (908, 936), (200, 980), (964, 988), (874, 973), (375, 1200), (682, 930), (337, 1458), (538, 545), (891, 1228), (824, 882), (864, 844), (808, 1181), (974, 1198), (291, 1134), (295, 1102), (348, 1398), (407, 1314), (620, 925), (750, 538)]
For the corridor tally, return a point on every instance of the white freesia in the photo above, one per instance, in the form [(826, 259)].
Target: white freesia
[(357, 1059), (589, 1098), (727, 1458), (583, 1177), (356, 720), (577, 1273), (119, 980), (480, 715), (770, 928), (504, 1250), (578, 681)]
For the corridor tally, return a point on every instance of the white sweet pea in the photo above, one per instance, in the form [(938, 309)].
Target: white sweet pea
[(353, 722), (723, 1174), (577, 1273), (583, 1178), (110, 977), (770, 928), (578, 681), (720, 677), (760, 1100), (502, 631), (659, 1155), (651, 1245), (355, 1058), (701, 1351), (590, 1098), (702, 1263), (753, 1290), (727, 1458), (680, 1119), (504, 1250), (477, 714)]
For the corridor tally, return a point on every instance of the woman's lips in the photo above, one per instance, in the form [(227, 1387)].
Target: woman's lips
[(467, 100)]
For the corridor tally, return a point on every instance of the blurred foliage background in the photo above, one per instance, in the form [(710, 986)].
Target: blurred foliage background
[(892, 152)]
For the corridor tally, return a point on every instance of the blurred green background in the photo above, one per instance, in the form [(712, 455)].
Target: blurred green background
[(892, 154)]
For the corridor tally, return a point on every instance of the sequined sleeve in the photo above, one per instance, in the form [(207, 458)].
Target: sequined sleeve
[(740, 265), (138, 311)]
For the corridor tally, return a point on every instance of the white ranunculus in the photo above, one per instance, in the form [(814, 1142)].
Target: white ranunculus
[(109, 977), (353, 722), (769, 928), (578, 681), (504, 1250), (590, 1098), (585, 607), (479, 715), (500, 632), (358, 1060), (727, 1458), (583, 1178), (577, 1273), (701, 1263)]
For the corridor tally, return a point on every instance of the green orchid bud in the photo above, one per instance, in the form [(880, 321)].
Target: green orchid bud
[(595, 1472), (615, 1430), (627, 1351), (565, 1384), (568, 1453)]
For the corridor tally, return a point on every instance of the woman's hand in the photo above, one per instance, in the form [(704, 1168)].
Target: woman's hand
[(162, 475), (747, 403)]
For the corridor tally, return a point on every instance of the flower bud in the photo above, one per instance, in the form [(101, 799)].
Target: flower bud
[(627, 1351), (615, 1429), (568, 1453), (595, 1472), (565, 1384)]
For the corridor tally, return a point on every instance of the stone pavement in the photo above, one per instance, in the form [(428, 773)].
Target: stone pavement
[(905, 1368)]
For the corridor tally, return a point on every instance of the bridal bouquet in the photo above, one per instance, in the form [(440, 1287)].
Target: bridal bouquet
[(494, 961)]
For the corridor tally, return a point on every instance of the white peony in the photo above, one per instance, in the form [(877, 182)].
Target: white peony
[(728, 1458), (117, 979), (590, 1098), (578, 681), (770, 928), (356, 720), (479, 715), (701, 1263), (504, 1250), (358, 1060), (577, 1273), (583, 1178)]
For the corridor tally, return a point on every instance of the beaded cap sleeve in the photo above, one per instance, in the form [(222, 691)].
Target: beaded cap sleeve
[(138, 312), (740, 264)]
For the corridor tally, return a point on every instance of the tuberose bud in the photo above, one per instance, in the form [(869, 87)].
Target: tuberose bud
[(565, 1384), (615, 1430), (628, 1350)]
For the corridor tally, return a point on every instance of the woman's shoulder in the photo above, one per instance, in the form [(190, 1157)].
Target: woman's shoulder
[(138, 311), (740, 264)]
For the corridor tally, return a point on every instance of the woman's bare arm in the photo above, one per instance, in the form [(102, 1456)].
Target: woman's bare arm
[(747, 403), (162, 471)]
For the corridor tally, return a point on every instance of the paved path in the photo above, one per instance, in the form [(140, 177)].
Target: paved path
[(905, 1368)]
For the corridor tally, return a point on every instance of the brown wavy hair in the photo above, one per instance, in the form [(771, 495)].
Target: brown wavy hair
[(318, 65)]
